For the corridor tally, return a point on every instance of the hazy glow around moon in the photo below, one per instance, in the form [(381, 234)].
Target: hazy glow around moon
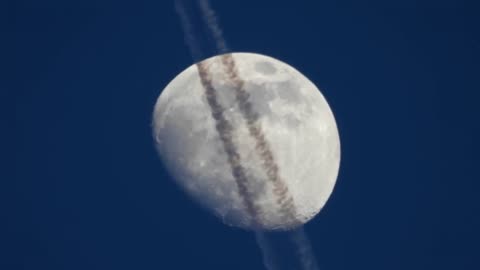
[(296, 120)]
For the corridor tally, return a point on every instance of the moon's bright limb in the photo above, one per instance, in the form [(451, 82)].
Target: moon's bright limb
[(297, 123)]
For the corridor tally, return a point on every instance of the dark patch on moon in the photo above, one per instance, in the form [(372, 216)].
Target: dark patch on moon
[(265, 68), (292, 121), (289, 91), (261, 97)]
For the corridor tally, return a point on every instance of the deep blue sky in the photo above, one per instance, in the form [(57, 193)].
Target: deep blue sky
[(87, 190)]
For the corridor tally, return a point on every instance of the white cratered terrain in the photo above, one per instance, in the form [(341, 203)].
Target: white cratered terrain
[(295, 119)]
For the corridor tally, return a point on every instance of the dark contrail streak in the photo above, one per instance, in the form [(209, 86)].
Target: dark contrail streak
[(224, 129), (304, 258), (280, 189), (284, 199), (223, 126)]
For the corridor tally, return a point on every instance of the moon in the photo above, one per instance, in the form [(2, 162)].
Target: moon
[(296, 121)]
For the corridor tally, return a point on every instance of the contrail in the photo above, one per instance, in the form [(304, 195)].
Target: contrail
[(224, 130), (284, 200), (304, 249), (187, 27), (211, 21), (276, 254), (223, 126), (280, 189)]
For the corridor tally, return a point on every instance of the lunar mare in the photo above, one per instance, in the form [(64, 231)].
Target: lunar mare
[(296, 121)]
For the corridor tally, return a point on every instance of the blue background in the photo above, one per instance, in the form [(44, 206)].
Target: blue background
[(86, 189)]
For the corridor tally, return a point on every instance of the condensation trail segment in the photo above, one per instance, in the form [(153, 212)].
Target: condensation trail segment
[(211, 21), (190, 39), (280, 189), (224, 130), (284, 199), (277, 257), (222, 125)]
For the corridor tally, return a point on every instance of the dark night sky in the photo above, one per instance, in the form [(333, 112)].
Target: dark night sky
[(87, 190)]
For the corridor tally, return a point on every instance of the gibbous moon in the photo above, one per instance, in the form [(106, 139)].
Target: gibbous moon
[(296, 121)]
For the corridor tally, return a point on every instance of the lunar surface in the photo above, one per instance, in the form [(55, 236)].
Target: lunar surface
[(296, 121)]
